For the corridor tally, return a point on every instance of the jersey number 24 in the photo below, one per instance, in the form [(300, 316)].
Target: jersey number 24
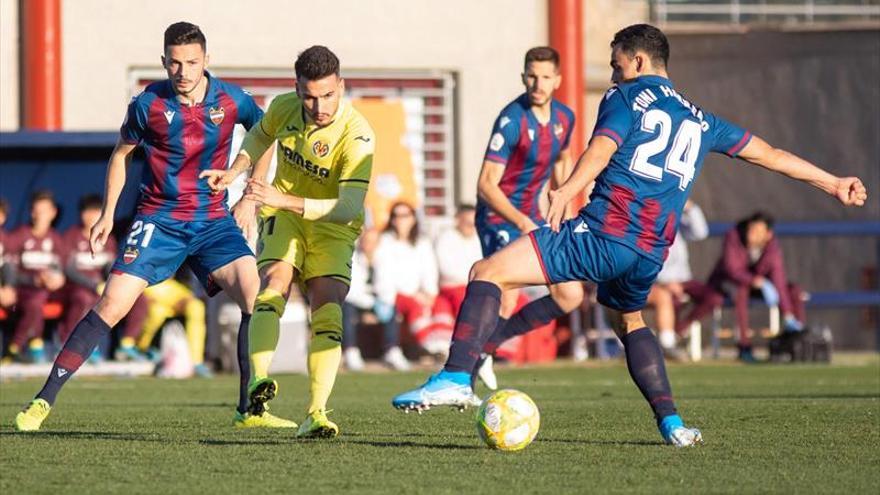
[(682, 157)]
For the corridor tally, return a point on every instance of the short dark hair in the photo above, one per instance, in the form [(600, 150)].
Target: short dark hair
[(90, 202), (43, 194), (542, 54), (316, 62), (742, 226), (646, 38), (184, 33)]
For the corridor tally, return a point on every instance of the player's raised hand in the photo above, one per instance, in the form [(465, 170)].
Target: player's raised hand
[(218, 180), (557, 211), (851, 192), (262, 192), (99, 233)]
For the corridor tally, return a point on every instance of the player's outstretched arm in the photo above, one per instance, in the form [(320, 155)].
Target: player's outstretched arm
[(119, 160), (343, 209), (589, 166), (256, 143), (848, 190), (245, 211)]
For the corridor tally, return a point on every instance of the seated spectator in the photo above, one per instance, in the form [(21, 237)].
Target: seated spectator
[(7, 291), (457, 249), (675, 281), (86, 274), (171, 299), (405, 279), (36, 251), (751, 265), (359, 300)]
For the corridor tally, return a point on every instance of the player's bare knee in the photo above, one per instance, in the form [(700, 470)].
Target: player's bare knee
[(568, 296), (111, 310), (487, 271)]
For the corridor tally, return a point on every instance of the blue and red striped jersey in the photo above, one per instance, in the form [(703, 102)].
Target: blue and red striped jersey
[(528, 150), (180, 141), (662, 139)]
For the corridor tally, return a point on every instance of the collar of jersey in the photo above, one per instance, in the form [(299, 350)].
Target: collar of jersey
[(653, 77)]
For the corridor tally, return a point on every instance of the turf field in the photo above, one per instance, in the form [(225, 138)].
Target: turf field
[(792, 429)]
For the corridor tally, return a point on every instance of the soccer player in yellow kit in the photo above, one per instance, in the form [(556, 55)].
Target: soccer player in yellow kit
[(311, 216)]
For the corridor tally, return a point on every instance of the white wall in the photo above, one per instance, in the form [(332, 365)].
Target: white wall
[(8, 65)]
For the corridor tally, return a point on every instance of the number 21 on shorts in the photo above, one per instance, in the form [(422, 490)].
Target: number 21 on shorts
[(144, 230)]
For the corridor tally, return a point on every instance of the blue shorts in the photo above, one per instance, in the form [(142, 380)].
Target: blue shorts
[(493, 237), (624, 277), (156, 246)]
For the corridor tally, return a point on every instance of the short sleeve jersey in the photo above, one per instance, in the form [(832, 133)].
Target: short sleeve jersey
[(528, 150), (313, 161), (181, 141), (662, 139)]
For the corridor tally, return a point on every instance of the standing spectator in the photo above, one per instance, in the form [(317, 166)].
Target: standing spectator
[(675, 280), (86, 275), (457, 249), (405, 278), (36, 251), (751, 264), (360, 299), (7, 291)]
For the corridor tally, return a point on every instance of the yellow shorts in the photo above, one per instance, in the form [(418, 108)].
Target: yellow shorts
[(168, 294), (315, 249)]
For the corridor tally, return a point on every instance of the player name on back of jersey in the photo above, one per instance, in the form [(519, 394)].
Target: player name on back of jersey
[(646, 97)]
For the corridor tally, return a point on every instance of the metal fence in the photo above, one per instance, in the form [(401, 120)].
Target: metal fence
[(738, 12)]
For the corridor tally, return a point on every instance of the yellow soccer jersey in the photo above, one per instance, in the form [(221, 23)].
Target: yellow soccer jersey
[(314, 161)]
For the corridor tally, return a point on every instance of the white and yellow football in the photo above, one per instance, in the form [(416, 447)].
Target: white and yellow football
[(508, 420)]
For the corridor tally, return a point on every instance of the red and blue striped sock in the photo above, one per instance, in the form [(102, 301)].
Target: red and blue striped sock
[(79, 346), (476, 320), (644, 358), (533, 315)]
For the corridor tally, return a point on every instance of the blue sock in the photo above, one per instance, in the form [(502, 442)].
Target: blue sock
[(646, 367), (533, 315), (476, 319), (244, 364), (79, 346), (669, 423)]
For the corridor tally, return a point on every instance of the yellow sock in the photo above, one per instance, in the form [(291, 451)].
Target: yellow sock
[(263, 331), (194, 313), (325, 353), (126, 342), (36, 344)]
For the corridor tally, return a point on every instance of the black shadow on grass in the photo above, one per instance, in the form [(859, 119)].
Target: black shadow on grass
[(372, 443), (87, 435), (651, 443)]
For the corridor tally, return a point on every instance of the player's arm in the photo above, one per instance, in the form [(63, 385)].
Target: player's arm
[(589, 166), (342, 209), (848, 190), (245, 210), (489, 191), (561, 171), (115, 180)]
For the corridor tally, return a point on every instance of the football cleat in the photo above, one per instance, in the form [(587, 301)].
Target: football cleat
[(486, 373), (317, 425), (202, 370), (675, 433), (32, 416), (260, 392), (442, 389), (264, 420)]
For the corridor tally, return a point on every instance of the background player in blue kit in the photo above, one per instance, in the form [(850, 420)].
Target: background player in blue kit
[(647, 148), (528, 147), (185, 125)]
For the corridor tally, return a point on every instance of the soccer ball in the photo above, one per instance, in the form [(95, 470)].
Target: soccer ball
[(508, 420)]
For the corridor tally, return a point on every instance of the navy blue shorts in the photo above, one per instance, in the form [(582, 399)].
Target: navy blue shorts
[(624, 277), (156, 246), (493, 237)]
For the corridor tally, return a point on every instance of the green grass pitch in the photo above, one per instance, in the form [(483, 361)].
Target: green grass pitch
[(780, 429)]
